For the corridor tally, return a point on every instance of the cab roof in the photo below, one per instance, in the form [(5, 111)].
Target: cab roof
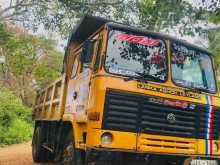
[(85, 28), (90, 24)]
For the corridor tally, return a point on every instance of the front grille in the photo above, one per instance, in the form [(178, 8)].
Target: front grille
[(154, 121), (203, 116), (131, 112), (166, 144)]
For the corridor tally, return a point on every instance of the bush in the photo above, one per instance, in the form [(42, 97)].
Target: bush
[(19, 131), (15, 119)]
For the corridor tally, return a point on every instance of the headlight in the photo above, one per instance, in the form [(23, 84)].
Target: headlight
[(215, 147), (106, 138)]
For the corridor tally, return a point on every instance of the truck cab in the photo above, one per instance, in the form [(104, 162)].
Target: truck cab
[(131, 96)]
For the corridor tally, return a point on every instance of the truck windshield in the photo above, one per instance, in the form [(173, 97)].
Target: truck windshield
[(192, 68), (130, 54)]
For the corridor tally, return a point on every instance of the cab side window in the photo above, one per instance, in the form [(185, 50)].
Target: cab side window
[(87, 54), (98, 53), (75, 67)]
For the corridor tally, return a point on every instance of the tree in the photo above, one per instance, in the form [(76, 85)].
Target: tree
[(156, 15), (15, 119), (63, 14), (49, 65), (173, 15), (214, 44), (59, 15), (17, 9), (212, 7), (26, 55)]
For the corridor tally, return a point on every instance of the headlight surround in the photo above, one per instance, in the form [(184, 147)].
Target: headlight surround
[(106, 138)]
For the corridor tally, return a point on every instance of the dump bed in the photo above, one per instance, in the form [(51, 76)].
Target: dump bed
[(50, 102)]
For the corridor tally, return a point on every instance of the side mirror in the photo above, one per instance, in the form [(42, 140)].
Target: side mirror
[(87, 51)]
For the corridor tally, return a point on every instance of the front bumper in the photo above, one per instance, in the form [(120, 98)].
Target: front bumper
[(152, 144), (125, 157)]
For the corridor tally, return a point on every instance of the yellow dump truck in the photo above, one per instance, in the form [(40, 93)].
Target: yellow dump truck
[(129, 97)]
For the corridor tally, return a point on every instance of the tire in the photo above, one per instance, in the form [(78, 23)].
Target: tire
[(71, 155), (38, 152)]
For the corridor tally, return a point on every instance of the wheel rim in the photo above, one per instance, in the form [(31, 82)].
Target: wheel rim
[(68, 155)]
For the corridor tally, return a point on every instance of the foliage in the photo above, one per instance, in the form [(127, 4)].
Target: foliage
[(15, 119), (61, 15), (4, 36), (156, 14), (211, 7), (215, 17), (55, 15), (49, 68), (151, 14), (30, 62), (214, 44), (33, 62), (19, 131)]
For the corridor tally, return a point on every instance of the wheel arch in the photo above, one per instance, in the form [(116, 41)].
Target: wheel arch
[(76, 129)]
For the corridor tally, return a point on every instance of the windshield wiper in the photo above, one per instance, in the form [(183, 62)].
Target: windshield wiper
[(147, 76), (203, 89), (143, 77), (198, 89), (192, 89)]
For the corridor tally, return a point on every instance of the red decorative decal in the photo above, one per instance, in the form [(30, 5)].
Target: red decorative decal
[(137, 39), (181, 58), (175, 103), (156, 58)]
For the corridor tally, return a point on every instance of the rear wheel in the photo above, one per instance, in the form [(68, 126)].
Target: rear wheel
[(38, 152)]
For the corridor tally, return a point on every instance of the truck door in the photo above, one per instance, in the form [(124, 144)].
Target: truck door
[(71, 91), (81, 92), (78, 87)]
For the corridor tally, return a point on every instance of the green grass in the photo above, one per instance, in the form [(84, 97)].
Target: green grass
[(18, 132), (15, 119)]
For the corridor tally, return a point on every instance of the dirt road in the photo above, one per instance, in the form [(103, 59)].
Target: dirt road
[(18, 154)]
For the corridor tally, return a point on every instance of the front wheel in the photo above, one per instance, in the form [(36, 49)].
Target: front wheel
[(38, 152), (71, 155)]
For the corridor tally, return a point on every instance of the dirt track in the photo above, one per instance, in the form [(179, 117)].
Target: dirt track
[(18, 154)]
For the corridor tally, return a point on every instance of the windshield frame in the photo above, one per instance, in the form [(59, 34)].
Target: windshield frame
[(196, 49), (110, 28)]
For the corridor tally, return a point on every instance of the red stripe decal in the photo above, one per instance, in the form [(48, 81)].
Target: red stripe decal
[(137, 39)]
